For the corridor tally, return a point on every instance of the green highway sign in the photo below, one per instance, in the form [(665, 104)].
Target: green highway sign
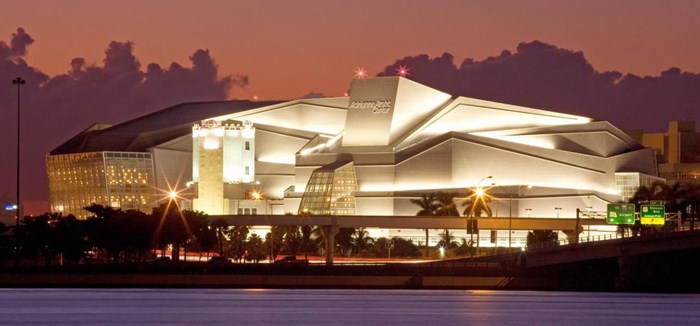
[(620, 214), (652, 214)]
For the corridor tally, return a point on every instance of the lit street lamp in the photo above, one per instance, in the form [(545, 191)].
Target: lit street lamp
[(256, 195), (479, 192)]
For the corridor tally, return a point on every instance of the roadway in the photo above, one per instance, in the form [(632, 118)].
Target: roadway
[(410, 222)]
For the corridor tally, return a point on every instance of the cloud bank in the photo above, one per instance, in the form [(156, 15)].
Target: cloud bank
[(55, 108), (544, 76)]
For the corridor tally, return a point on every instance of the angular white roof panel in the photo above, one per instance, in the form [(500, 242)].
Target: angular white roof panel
[(324, 115), (469, 115)]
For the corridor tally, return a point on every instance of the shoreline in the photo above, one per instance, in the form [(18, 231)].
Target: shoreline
[(81, 280)]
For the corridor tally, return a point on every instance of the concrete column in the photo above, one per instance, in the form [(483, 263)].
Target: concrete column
[(623, 268), (329, 232)]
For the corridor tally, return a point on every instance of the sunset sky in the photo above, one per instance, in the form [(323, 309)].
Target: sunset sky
[(290, 48), (609, 60)]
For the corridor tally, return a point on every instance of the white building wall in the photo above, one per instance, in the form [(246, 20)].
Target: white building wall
[(432, 169), (233, 159), (556, 170)]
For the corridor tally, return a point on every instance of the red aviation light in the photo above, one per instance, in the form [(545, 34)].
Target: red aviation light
[(402, 71)]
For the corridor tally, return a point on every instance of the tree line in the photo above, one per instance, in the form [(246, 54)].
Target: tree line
[(116, 236), (443, 204), (683, 198)]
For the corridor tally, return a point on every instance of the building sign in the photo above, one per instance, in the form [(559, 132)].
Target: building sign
[(652, 214), (378, 106), (620, 214)]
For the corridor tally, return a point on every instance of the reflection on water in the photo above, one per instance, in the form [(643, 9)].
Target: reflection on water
[(339, 307)]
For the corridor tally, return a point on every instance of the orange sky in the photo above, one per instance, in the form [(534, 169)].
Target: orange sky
[(290, 48)]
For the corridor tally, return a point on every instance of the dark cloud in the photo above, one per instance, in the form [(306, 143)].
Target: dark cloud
[(545, 76), (58, 107), (19, 43)]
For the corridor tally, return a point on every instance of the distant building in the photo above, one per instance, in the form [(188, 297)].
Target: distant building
[(677, 151), (390, 141)]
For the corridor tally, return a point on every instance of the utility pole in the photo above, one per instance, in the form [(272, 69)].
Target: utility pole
[(19, 82)]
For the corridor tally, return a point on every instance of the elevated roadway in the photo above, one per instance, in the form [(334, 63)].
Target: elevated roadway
[(410, 222)]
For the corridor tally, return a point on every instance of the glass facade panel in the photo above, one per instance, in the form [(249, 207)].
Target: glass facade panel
[(628, 183), (330, 192), (118, 179)]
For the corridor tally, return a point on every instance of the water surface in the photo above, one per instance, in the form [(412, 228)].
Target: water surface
[(340, 307)]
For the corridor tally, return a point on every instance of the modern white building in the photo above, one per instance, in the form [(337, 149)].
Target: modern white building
[(390, 141)]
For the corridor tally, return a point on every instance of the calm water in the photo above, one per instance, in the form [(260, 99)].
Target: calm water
[(340, 307)]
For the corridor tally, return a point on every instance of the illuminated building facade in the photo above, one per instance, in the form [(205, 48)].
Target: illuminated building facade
[(330, 190), (222, 153), (390, 141), (117, 179), (133, 164)]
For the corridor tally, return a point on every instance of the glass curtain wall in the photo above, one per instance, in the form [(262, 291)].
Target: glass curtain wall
[(330, 191)]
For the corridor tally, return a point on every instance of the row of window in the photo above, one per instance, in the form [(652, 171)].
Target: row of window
[(247, 211)]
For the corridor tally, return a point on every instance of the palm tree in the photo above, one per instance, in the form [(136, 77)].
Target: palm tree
[(542, 238), (255, 249), (220, 225), (306, 240), (446, 207), (428, 207), (675, 196), (692, 202), (476, 205), (465, 248), (361, 240), (292, 239), (344, 240), (237, 247), (447, 240)]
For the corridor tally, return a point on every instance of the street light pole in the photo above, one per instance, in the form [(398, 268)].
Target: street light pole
[(510, 210), (510, 220), (19, 82), (470, 220)]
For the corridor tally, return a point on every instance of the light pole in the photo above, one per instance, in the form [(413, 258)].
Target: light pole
[(510, 210), (510, 218), (479, 192), (558, 209), (19, 82)]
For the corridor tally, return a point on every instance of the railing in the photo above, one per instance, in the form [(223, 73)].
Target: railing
[(650, 230), (464, 264)]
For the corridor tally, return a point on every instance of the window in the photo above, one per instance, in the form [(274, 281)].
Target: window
[(247, 145), (240, 211), (247, 211), (247, 170), (253, 211)]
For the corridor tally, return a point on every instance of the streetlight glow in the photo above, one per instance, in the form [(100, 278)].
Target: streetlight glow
[(172, 194)]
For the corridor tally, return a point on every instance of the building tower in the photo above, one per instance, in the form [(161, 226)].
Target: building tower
[(222, 152)]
